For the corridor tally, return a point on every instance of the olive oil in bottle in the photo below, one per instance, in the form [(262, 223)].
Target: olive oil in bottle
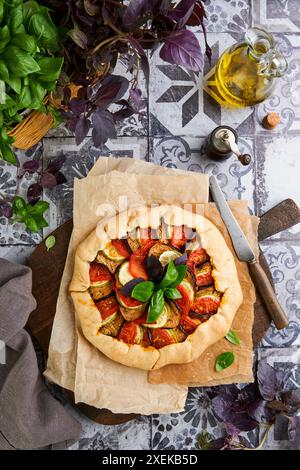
[(244, 74)]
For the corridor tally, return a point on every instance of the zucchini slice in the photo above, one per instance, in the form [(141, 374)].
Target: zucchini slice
[(124, 274), (111, 252)]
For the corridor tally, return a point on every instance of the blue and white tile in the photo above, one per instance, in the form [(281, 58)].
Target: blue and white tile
[(285, 98), (17, 253), (188, 153), (178, 106), (277, 169), (134, 435), (11, 232), (287, 361), (227, 15), (79, 160), (276, 15), (284, 262)]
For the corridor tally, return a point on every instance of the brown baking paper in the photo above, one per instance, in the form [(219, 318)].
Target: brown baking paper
[(73, 362), (202, 370)]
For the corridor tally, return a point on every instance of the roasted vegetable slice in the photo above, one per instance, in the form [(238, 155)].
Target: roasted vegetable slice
[(107, 307), (189, 325), (123, 275), (207, 301), (112, 253), (113, 326), (174, 315), (102, 289), (130, 308), (178, 238), (111, 265), (137, 260), (197, 257), (133, 242), (122, 247), (161, 337), (131, 333), (99, 273), (204, 274)]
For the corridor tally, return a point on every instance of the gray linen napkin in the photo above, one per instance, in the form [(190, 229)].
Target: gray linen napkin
[(30, 417)]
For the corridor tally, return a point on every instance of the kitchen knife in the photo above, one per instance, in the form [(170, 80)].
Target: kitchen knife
[(245, 253)]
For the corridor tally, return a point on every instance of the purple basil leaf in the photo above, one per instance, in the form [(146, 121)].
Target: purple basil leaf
[(197, 15), (260, 412), (48, 180), (55, 164), (127, 289), (34, 193), (231, 430), (294, 431), (105, 14), (31, 166), (154, 269), (291, 400), (145, 68), (82, 127), (79, 37), (136, 13), (123, 113), (136, 95), (229, 411), (182, 48), (182, 12), (91, 8), (181, 260), (60, 178), (267, 382), (103, 127), (6, 209), (77, 106), (164, 6), (112, 89)]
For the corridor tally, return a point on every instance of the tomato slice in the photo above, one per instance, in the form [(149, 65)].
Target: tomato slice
[(184, 303), (204, 275), (107, 307), (121, 247), (136, 262), (190, 324), (204, 305), (146, 340), (198, 256), (128, 302), (178, 239), (130, 333), (99, 272), (161, 337), (142, 319)]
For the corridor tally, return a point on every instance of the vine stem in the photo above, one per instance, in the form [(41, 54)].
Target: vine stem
[(263, 441)]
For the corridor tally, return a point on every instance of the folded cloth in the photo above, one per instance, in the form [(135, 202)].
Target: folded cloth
[(30, 418)]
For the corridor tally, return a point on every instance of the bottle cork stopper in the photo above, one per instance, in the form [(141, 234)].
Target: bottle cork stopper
[(271, 120)]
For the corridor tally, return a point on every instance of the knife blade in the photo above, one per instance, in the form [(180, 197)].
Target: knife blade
[(245, 253)]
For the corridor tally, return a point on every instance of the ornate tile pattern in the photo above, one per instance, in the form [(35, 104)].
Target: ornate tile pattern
[(178, 115)]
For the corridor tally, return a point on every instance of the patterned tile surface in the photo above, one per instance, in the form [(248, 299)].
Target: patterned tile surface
[(178, 115)]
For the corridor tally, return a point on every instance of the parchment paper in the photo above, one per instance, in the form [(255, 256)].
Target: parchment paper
[(73, 362), (202, 371)]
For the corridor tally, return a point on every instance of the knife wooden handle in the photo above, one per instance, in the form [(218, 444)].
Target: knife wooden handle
[(268, 295)]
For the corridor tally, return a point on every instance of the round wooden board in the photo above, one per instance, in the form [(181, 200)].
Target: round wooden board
[(47, 268)]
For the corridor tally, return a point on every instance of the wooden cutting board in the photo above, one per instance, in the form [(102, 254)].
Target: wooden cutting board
[(47, 268)]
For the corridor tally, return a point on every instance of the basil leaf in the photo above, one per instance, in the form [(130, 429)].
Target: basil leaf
[(170, 276), (172, 293), (46, 33), (38, 208), (38, 92), (181, 272), (31, 224), (143, 291), (14, 83), (50, 68), (4, 37), (15, 19), (224, 360), (3, 70), (24, 98), (50, 242), (29, 8), (156, 306), (232, 337), (41, 221), (1, 9), (18, 204), (19, 62), (26, 42), (7, 154)]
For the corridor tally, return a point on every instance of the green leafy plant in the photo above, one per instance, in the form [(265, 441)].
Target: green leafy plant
[(28, 67), (157, 292), (50, 242), (30, 215)]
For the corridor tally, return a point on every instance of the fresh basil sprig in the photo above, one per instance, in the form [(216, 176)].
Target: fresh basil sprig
[(233, 337), (30, 215), (158, 292)]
